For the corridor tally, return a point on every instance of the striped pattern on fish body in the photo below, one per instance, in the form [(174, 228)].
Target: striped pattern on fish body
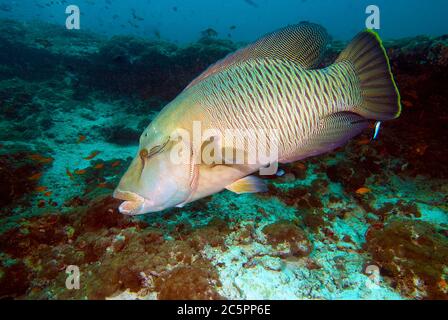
[(277, 94), (270, 84)]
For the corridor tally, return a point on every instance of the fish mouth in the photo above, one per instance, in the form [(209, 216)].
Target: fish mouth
[(133, 203)]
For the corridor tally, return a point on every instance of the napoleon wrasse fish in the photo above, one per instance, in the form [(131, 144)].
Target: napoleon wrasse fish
[(272, 83)]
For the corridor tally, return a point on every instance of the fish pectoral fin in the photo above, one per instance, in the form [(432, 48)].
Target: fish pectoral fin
[(249, 184), (330, 133)]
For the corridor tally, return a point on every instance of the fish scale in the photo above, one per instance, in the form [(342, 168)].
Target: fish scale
[(276, 94)]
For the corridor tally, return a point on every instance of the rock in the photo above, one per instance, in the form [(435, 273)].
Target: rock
[(288, 239), (412, 255)]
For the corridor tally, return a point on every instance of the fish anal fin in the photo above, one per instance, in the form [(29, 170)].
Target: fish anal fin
[(249, 184)]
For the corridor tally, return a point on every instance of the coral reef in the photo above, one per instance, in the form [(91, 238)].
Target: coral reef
[(413, 255), (20, 172), (114, 252), (70, 125), (189, 283), (288, 239)]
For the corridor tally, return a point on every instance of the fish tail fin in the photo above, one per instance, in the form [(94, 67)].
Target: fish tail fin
[(380, 95)]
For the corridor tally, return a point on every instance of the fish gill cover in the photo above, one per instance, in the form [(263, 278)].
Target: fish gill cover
[(368, 220)]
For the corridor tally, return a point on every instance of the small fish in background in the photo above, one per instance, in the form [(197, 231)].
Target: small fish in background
[(104, 185), (232, 27), (420, 148), (35, 157), (175, 9), (80, 172), (133, 24), (81, 138), (46, 160), (92, 155), (157, 34), (363, 190), (35, 176), (115, 16), (5, 7), (116, 164), (99, 166), (251, 3), (41, 159), (69, 174), (377, 130), (363, 142), (41, 189), (209, 33), (135, 16)]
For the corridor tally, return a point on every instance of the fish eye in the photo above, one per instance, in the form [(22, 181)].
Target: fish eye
[(143, 153)]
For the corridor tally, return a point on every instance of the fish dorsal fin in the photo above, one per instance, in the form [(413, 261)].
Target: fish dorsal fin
[(302, 43)]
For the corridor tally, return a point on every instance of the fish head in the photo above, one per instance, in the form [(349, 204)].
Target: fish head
[(156, 179)]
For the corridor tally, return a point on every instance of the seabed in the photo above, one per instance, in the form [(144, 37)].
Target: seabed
[(367, 221)]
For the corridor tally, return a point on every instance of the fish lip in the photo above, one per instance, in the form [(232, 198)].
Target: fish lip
[(124, 210), (131, 199)]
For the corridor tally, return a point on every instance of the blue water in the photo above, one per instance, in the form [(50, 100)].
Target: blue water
[(183, 20)]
